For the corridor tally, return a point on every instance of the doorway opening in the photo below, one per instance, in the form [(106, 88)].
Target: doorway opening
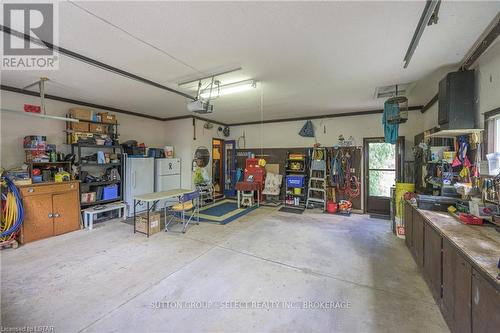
[(382, 165), (217, 168)]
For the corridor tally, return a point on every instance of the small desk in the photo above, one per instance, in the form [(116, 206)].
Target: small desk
[(151, 199), (248, 186)]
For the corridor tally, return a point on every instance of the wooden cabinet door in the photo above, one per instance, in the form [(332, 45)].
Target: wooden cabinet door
[(462, 313), (485, 305), (408, 220), (38, 222), (456, 302), (449, 269), (66, 212), (418, 237), (432, 260)]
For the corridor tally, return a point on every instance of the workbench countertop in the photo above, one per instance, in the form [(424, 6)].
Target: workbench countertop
[(479, 243)]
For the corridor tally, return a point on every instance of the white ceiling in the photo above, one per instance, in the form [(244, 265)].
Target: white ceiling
[(310, 57)]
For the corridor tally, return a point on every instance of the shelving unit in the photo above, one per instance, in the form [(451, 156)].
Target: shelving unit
[(289, 190), (66, 165), (86, 187)]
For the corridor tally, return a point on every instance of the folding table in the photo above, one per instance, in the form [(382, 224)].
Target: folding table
[(151, 199)]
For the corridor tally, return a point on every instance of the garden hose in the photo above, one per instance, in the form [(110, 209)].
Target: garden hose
[(12, 212)]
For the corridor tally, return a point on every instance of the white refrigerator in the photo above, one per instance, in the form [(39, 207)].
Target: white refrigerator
[(139, 179), (167, 176)]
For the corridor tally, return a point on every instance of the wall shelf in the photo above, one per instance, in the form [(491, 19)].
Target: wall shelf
[(453, 133)]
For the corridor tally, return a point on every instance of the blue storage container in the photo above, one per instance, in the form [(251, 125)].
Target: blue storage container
[(295, 181), (110, 192)]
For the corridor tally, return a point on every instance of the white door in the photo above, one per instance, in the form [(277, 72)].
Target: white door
[(140, 181)]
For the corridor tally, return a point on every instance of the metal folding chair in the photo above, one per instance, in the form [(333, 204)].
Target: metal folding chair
[(187, 202)]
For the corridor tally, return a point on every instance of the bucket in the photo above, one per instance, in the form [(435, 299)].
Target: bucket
[(401, 189), (331, 207), (169, 151)]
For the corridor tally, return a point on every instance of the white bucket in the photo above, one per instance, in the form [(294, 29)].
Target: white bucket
[(169, 151)]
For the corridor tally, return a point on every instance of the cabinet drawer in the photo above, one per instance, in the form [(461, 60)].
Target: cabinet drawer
[(45, 189)]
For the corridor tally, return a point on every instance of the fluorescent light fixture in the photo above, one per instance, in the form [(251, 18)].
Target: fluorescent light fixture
[(428, 17), (229, 89), (39, 115)]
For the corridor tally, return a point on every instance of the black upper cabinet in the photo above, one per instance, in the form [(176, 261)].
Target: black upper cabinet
[(457, 101)]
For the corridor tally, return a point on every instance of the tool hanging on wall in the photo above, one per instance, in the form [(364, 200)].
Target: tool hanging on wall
[(341, 173)]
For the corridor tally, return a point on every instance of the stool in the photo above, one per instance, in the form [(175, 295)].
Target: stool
[(247, 198), (88, 214)]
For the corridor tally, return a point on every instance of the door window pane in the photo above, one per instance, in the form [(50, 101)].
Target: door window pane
[(381, 182), (382, 155)]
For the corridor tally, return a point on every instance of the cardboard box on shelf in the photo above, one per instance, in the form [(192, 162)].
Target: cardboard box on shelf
[(81, 113), (75, 136), (107, 118), (88, 197), (141, 223), (97, 128), (80, 127)]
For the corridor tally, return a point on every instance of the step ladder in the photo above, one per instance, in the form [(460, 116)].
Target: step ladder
[(316, 191)]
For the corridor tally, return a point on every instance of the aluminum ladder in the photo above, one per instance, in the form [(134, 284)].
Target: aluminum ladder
[(317, 179)]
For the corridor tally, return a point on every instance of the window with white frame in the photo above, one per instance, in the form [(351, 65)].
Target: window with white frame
[(494, 134)]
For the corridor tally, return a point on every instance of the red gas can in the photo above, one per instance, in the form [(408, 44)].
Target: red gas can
[(331, 207)]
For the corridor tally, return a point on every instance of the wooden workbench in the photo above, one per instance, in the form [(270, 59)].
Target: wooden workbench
[(459, 263)]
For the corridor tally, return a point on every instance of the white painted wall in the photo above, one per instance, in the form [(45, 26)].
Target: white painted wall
[(488, 81), (487, 87), (179, 133), (15, 127), (286, 134)]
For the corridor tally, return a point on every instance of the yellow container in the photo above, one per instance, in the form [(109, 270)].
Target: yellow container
[(449, 156), (401, 189), (297, 190)]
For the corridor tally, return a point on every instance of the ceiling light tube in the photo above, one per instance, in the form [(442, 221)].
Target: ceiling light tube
[(229, 89)]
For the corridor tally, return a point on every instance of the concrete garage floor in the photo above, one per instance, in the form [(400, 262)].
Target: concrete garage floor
[(110, 280)]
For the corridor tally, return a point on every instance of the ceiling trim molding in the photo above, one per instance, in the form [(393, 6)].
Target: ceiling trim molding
[(131, 113), (429, 104), (485, 40), (103, 107), (92, 62), (324, 116), (78, 102)]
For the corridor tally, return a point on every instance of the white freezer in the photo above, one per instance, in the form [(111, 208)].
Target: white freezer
[(167, 166), (139, 179), (167, 177)]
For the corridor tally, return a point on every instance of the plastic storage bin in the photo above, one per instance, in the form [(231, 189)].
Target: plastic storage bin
[(110, 192), (295, 181)]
